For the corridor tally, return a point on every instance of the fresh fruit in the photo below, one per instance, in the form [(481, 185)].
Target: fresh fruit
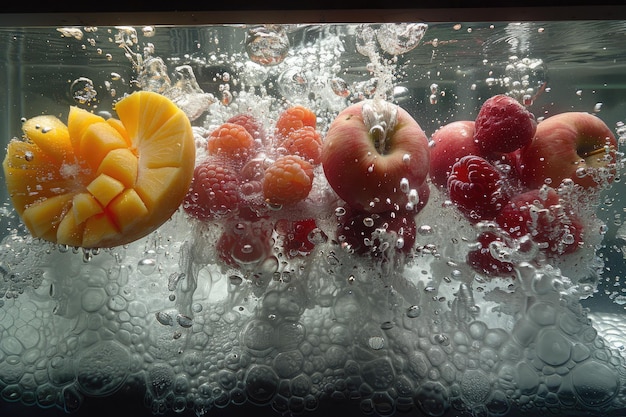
[(376, 233), (214, 191), (486, 259), (231, 141), (305, 142), (252, 125), (503, 125), (448, 144), (475, 187), (288, 180), (298, 236), (549, 222), (374, 153), (102, 183), (574, 145), (294, 118)]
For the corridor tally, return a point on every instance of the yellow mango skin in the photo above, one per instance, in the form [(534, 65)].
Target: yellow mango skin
[(97, 182)]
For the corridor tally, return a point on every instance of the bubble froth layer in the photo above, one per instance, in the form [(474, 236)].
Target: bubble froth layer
[(92, 328)]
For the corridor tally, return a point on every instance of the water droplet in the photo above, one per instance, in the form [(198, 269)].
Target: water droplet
[(184, 321), (267, 45), (164, 318), (404, 185), (147, 266), (413, 311), (400, 38), (387, 325), (339, 87), (425, 230), (82, 90), (376, 342)]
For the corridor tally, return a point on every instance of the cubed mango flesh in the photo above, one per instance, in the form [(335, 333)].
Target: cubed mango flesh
[(97, 182)]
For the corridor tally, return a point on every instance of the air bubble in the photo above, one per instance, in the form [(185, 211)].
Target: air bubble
[(147, 266), (376, 342), (413, 311), (425, 230), (404, 185)]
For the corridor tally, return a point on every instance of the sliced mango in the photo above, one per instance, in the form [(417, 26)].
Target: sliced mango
[(105, 189), (69, 231), (78, 121), (97, 141), (120, 164), (117, 125), (128, 208), (97, 182), (85, 205), (43, 217), (51, 136)]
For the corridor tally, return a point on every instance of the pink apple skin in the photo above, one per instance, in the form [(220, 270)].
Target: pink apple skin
[(563, 144), (448, 144), (365, 178)]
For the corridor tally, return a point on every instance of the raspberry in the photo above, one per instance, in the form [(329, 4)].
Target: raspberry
[(214, 191), (288, 180), (231, 141), (503, 125), (474, 185), (378, 233), (298, 236), (305, 142), (482, 260), (294, 118), (252, 125), (542, 215)]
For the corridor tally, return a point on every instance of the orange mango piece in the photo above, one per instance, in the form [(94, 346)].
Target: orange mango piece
[(51, 136), (120, 164), (97, 141), (97, 182)]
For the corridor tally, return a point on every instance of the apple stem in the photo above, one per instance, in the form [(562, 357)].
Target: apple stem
[(380, 118), (597, 151)]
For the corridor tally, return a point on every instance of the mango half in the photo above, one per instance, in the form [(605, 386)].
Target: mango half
[(97, 183)]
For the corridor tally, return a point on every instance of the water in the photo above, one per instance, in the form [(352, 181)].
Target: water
[(289, 317)]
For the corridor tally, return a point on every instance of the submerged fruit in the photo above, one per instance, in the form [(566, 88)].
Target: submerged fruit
[(97, 182)]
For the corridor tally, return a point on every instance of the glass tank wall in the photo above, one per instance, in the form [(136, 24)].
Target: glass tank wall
[(409, 217)]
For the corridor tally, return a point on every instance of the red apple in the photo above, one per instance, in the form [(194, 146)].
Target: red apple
[(574, 145), (448, 144), (374, 153)]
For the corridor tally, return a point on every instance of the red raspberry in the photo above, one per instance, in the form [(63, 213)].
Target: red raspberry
[(231, 141), (503, 125), (376, 233), (474, 185), (288, 180), (550, 223), (297, 236), (482, 260), (252, 125), (305, 142), (214, 191), (294, 118)]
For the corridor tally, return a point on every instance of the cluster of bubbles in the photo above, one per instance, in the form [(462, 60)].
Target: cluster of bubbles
[(523, 78), (428, 335)]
